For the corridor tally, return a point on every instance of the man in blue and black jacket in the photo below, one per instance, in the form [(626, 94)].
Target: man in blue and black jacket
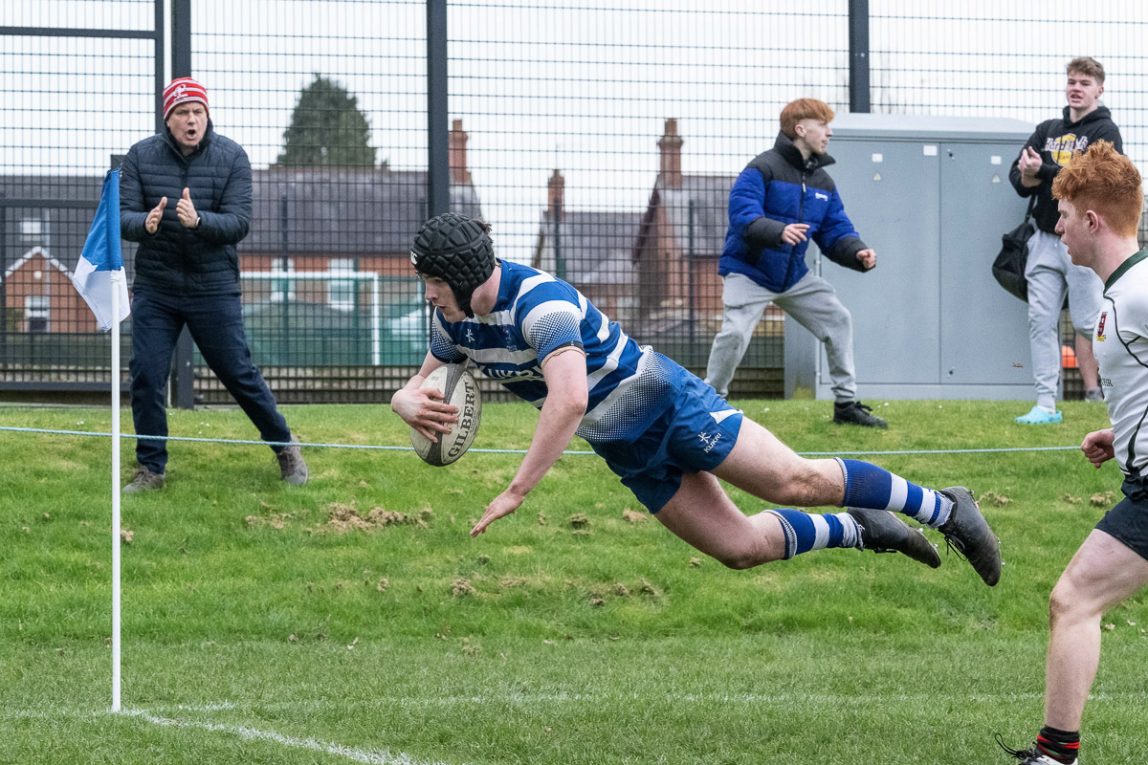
[(782, 200)]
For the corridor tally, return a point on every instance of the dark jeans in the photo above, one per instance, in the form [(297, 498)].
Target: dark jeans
[(216, 326)]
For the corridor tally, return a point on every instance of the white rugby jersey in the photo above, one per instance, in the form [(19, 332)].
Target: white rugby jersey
[(1120, 342), (537, 314)]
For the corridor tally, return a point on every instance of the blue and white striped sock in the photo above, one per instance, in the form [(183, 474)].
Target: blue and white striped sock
[(867, 485), (809, 531)]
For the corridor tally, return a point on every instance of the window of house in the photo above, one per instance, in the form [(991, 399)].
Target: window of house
[(282, 289), (37, 311), (341, 292), (31, 230)]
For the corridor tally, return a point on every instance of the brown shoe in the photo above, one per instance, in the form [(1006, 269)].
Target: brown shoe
[(144, 480), (292, 468)]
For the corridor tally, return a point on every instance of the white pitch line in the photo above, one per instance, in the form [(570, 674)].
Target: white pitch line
[(367, 757)]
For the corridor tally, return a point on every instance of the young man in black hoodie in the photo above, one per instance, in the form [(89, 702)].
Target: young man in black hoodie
[(1050, 272)]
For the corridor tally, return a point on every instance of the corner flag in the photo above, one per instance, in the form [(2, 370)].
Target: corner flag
[(99, 278), (100, 269)]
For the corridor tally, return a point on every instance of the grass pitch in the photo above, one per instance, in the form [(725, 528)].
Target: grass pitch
[(353, 620)]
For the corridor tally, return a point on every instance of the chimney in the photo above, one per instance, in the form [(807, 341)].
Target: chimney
[(670, 146), (459, 173), (556, 197)]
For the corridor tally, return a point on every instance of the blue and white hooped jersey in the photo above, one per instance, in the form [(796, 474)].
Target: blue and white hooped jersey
[(537, 314)]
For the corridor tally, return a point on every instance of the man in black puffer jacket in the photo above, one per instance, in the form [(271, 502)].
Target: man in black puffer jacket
[(185, 197)]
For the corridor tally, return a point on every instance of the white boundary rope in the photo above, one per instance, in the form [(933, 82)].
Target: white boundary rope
[(407, 448)]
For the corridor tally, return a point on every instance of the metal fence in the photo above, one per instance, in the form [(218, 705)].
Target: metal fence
[(599, 140)]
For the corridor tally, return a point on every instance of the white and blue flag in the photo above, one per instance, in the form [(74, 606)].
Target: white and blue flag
[(100, 271)]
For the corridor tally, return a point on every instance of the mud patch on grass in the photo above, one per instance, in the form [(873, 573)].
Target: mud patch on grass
[(274, 520), (993, 498), (462, 588), (600, 594), (343, 518)]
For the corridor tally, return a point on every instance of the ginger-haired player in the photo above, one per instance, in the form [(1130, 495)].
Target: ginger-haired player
[(1100, 197)]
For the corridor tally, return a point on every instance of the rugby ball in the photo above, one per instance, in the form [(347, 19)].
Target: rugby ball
[(459, 388)]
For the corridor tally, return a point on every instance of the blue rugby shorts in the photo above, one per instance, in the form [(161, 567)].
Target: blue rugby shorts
[(695, 433)]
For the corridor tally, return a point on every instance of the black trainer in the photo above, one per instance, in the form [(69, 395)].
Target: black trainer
[(1031, 756), (856, 413), (882, 532), (969, 534)]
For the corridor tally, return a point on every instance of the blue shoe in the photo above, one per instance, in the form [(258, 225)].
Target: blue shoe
[(1038, 415)]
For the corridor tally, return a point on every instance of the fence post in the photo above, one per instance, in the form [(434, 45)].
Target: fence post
[(160, 63), (438, 128), (183, 370), (4, 284), (859, 56)]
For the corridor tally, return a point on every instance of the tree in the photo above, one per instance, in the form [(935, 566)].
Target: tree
[(327, 128)]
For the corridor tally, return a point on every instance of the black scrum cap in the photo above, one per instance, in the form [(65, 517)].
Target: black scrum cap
[(456, 249)]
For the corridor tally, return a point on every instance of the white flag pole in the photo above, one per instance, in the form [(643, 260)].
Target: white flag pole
[(117, 277)]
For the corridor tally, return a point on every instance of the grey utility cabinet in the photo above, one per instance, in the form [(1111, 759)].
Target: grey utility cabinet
[(931, 195)]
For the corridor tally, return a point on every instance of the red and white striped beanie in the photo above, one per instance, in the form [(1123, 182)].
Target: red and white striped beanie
[(180, 91)]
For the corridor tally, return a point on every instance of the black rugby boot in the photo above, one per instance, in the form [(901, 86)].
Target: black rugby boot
[(882, 532)]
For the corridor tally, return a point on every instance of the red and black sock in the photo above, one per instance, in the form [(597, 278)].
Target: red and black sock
[(1060, 745)]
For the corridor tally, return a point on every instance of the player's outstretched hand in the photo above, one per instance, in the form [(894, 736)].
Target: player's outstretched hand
[(501, 506), (423, 409)]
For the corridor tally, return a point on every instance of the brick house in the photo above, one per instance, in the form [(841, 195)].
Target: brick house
[(39, 296), (591, 250), (334, 220), (676, 255)]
